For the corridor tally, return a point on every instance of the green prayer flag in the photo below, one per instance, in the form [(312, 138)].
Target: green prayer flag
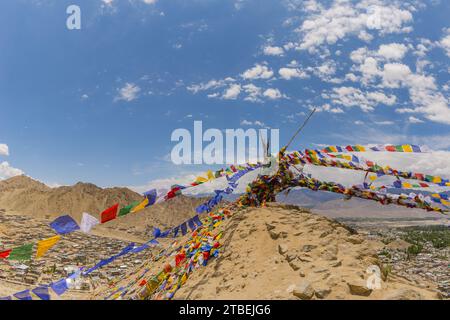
[(21, 253), (126, 210)]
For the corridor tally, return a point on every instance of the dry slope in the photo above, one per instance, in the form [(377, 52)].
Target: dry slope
[(23, 195), (284, 252)]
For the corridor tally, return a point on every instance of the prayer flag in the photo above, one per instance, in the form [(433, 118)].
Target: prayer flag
[(183, 228), (21, 253), (88, 222), (151, 196), (140, 206), (196, 219), (191, 224), (5, 254), (59, 286), (64, 224), (41, 292), (23, 295), (44, 245), (109, 214)]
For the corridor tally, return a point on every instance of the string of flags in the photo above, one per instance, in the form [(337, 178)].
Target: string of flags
[(66, 224), (375, 148), (204, 241)]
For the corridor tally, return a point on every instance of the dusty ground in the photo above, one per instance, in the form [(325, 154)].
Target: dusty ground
[(283, 252)]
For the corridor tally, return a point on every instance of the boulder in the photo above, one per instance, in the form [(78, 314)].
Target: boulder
[(358, 287), (295, 265), (304, 290), (322, 291), (403, 294), (274, 235), (282, 248)]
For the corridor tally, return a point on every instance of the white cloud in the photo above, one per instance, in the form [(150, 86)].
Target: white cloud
[(354, 97), (254, 123), (326, 26), (423, 91), (412, 119), (393, 51), (149, 1), (211, 84), (327, 108), (253, 92), (6, 171), (273, 51), (4, 149), (289, 73), (257, 72), (384, 123), (128, 93), (272, 93), (445, 42), (232, 92)]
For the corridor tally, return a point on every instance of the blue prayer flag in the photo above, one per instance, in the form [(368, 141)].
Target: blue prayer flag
[(23, 295), (151, 196), (59, 286), (183, 228), (42, 292), (64, 224)]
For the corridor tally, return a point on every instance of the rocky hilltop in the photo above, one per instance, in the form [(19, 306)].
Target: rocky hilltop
[(285, 252)]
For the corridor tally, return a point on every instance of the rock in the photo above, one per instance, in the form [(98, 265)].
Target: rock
[(304, 290), (301, 274), (270, 226), (322, 291), (290, 257), (320, 270), (305, 258), (308, 247), (282, 248), (358, 287), (336, 264), (295, 265), (403, 294), (355, 239), (274, 235)]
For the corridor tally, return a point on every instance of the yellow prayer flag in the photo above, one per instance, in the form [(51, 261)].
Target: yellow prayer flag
[(183, 279), (140, 206), (407, 185), (210, 175), (361, 148), (445, 202), (437, 179), (201, 180), (372, 178), (407, 148), (44, 245)]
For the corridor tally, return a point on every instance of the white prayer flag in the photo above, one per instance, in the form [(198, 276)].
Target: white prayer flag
[(88, 222)]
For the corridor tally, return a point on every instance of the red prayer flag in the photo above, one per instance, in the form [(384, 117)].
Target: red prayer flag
[(5, 254), (109, 214), (143, 283), (391, 148), (349, 148)]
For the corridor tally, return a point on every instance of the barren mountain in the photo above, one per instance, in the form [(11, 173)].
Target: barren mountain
[(23, 195)]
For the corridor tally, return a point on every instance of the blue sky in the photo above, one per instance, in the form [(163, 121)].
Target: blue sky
[(99, 104)]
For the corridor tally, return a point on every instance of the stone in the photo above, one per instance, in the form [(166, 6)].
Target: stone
[(270, 226), (358, 287), (274, 235), (355, 239), (403, 294), (295, 265), (308, 247), (305, 258), (290, 257), (336, 264), (282, 248), (322, 291), (303, 290)]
